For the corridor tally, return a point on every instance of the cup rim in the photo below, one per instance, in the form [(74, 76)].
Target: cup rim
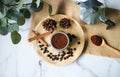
[(63, 34)]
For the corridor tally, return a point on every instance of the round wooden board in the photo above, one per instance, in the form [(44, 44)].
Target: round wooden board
[(74, 29)]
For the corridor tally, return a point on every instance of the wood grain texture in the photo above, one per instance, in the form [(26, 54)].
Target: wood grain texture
[(70, 9)]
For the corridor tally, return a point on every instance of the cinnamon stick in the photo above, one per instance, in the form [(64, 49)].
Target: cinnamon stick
[(38, 37)]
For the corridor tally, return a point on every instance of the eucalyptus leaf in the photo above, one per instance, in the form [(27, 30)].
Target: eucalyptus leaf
[(3, 10), (20, 4), (35, 8), (7, 1), (13, 14), (16, 15), (15, 37), (26, 13), (21, 20), (17, 0), (3, 30), (50, 9), (3, 22), (13, 27)]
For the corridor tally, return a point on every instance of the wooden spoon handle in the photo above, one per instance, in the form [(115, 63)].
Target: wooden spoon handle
[(113, 49)]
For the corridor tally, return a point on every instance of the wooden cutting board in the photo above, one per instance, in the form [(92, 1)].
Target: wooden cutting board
[(70, 9), (73, 30)]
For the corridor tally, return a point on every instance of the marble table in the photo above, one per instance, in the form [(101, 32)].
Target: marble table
[(21, 61)]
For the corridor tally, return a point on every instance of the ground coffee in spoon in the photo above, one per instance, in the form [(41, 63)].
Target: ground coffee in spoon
[(97, 40)]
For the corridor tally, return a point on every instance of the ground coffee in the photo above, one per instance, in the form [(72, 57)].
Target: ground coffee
[(59, 40), (97, 40)]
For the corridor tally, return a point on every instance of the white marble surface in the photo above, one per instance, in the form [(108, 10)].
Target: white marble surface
[(21, 61)]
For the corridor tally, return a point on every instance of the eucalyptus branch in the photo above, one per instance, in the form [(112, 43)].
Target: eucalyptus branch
[(10, 5)]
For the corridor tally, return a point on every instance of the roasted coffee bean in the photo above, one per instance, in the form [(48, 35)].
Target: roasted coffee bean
[(45, 48), (41, 49), (70, 53), (61, 58), (44, 51), (74, 49), (63, 53), (58, 54), (48, 55), (73, 36), (66, 57), (78, 42), (70, 49), (53, 59), (57, 58), (47, 51), (39, 42), (40, 46)]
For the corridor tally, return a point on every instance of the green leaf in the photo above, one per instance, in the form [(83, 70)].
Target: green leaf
[(3, 10), (21, 20), (17, 0), (7, 1), (15, 37), (16, 15), (3, 22), (20, 4), (35, 8), (13, 14), (50, 9), (3, 30), (26, 13), (13, 27)]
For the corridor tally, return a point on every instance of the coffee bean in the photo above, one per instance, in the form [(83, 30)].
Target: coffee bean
[(63, 53), (39, 42), (58, 54), (41, 49), (45, 48), (71, 49), (78, 42), (40, 46), (66, 57), (47, 51), (73, 36), (44, 51), (61, 58), (57, 58), (74, 49), (50, 53)]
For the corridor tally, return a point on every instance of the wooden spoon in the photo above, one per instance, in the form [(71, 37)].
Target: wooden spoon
[(104, 44), (99, 41)]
